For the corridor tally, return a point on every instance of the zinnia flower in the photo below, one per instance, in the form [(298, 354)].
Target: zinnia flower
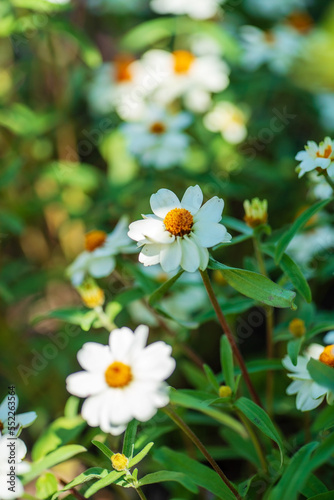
[(123, 380), (179, 233), (316, 157), (310, 394), (98, 259)]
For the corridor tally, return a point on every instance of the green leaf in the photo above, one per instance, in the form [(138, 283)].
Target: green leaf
[(329, 495), (60, 432), (46, 485), (320, 328), (129, 438), (142, 454), (226, 360), (294, 475), (323, 453), (181, 398), (84, 477), (55, 457), (211, 377), (165, 475), (102, 483), (321, 373), (102, 447), (284, 241), (163, 289), (313, 486), (256, 286), (237, 225), (261, 420), (74, 316), (294, 347), (200, 474), (43, 6), (324, 420), (293, 271)]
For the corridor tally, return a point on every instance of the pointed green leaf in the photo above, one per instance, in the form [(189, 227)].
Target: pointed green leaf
[(211, 377), (102, 483), (163, 289), (102, 447), (84, 477), (46, 485), (256, 286), (165, 475), (321, 373), (129, 438), (226, 360), (142, 454), (294, 347), (284, 241)]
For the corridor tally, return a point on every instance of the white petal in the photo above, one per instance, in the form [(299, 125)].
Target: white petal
[(142, 405), (294, 387), (154, 363), (211, 211), (101, 267), (163, 201), (190, 259), (150, 255), (170, 256), (140, 338), (94, 357), (27, 418), (317, 390), (91, 409), (120, 342), (210, 233), (4, 406), (151, 229), (116, 430), (84, 384), (192, 199)]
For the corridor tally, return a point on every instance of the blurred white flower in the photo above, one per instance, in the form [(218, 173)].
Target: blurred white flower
[(21, 421), (227, 119), (325, 104), (158, 140), (309, 393), (320, 188), (277, 48), (316, 156), (123, 380), (197, 9), (273, 8), (98, 259), (12, 450), (187, 76), (308, 244), (179, 233), (329, 337)]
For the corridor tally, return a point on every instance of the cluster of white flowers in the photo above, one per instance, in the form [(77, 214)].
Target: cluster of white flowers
[(229, 120), (274, 8), (197, 9)]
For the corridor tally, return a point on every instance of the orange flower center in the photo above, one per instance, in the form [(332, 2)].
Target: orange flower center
[(301, 21), (327, 153), (118, 375), (183, 59), (327, 356), (157, 128), (179, 222), (122, 69), (269, 37), (94, 239)]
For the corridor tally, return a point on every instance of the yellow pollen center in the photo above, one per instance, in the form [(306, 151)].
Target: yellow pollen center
[(327, 356), (94, 239), (122, 69), (157, 128), (179, 221), (183, 60), (118, 374), (327, 153)]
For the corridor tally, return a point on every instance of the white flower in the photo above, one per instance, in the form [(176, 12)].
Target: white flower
[(10, 404), (12, 450), (307, 245), (98, 260), (158, 139), (309, 393), (320, 188), (123, 380), (197, 9), (316, 156), (329, 337), (227, 119), (273, 8), (325, 103), (187, 76), (179, 233), (278, 48)]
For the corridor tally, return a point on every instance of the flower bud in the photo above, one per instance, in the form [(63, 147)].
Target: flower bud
[(92, 295), (256, 212), (119, 461), (297, 327), (225, 391)]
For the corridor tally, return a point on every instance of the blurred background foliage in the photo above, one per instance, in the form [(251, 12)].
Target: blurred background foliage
[(65, 170)]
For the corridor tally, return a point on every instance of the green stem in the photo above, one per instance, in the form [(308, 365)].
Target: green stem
[(226, 329), (108, 325), (329, 180), (184, 427), (254, 440), (141, 494)]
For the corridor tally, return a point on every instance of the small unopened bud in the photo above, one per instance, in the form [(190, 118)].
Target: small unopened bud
[(297, 327), (92, 295), (119, 461), (256, 212), (225, 391)]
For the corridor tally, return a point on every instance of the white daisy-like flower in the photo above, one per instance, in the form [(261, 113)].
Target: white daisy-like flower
[(320, 188), (197, 9), (158, 140), (98, 259), (277, 48), (10, 403), (179, 233), (305, 246), (329, 337), (187, 75), (229, 120), (10, 450), (310, 394), (123, 380), (316, 156), (274, 8)]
